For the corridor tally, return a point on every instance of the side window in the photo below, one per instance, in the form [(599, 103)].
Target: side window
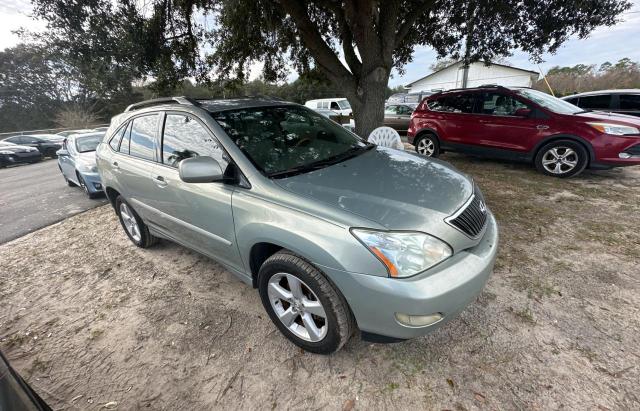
[(126, 137), (184, 137), (143, 134), (497, 104), (630, 101), (325, 104), (602, 101), (391, 110), (117, 138), (335, 106), (404, 110), (456, 103), (573, 101)]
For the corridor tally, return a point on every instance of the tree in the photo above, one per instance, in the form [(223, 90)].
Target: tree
[(585, 77), (354, 43)]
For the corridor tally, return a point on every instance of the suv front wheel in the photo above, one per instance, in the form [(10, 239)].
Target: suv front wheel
[(303, 304), (562, 158), (136, 229)]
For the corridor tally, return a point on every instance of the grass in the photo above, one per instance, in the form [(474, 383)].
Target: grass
[(525, 315)]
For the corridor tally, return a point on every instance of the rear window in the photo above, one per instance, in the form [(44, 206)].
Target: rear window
[(602, 101), (453, 103), (630, 101), (143, 132)]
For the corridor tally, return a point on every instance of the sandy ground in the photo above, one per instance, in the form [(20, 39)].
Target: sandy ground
[(93, 322)]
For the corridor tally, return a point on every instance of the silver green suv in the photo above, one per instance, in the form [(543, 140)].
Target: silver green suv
[(337, 234)]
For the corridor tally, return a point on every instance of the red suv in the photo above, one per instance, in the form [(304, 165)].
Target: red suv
[(524, 124)]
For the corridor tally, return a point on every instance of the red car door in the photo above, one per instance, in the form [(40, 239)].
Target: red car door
[(506, 122), (457, 124)]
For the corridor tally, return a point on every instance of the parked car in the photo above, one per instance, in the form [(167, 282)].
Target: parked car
[(526, 125), (52, 138), (77, 162), (46, 148), (340, 105), (11, 153), (614, 101), (67, 133), (411, 98), (15, 393), (397, 116), (336, 233)]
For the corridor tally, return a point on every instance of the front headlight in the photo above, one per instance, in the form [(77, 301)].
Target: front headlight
[(615, 129), (404, 253)]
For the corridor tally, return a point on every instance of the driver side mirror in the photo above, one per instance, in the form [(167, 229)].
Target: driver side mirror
[(62, 153), (200, 170), (522, 112)]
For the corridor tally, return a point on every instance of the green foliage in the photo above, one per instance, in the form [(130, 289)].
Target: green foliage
[(354, 44)]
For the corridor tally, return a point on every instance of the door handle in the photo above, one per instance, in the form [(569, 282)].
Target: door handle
[(542, 127), (160, 181)]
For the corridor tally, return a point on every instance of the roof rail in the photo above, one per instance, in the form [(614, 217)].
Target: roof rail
[(163, 100)]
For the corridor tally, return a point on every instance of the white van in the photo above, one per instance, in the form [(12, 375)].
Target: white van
[(339, 104)]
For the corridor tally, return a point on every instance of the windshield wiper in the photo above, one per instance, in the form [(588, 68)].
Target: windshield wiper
[(350, 153)]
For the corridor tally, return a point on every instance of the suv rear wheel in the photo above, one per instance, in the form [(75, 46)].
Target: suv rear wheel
[(136, 229), (562, 158), (303, 304), (427, 145)]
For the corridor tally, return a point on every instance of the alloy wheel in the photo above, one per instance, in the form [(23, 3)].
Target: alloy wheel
[(130, 222), (560, 160), (426, 147), (297, 307)]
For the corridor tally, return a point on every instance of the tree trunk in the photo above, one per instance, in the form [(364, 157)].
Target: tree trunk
[(368, 108)]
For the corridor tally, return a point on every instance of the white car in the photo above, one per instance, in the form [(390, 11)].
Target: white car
[(338, 104)]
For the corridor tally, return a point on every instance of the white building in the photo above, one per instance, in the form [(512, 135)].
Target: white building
[(479, 74)]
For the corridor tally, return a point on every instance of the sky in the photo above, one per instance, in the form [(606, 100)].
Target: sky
[(604, 44)]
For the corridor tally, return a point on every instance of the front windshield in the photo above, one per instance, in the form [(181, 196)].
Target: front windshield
[(85, 144), (549, 102), (286, 140), (344, 104)]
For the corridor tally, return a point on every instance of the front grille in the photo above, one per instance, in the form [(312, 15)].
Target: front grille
[(472, 218)]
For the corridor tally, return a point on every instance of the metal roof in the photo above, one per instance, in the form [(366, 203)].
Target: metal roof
[(457, 62)]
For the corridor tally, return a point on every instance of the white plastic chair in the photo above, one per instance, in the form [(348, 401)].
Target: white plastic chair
[(386, 137)]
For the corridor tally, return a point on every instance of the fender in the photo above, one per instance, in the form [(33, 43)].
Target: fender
[(584, 142), (427, 130)]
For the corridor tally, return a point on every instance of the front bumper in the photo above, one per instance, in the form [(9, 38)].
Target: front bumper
[(446, 289), (93, 182)]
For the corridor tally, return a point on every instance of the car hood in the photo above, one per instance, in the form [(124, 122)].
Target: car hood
[(396, 189), (601, 116)]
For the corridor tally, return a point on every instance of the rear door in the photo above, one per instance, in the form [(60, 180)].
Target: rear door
[(391, 116), (197, 215), (501, 128), (455, 117), (67, 163), (135, 161)]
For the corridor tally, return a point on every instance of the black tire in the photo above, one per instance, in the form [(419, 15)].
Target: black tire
[(339, 320), (84, 187), (427, 144), (556, 165), (146, 239)]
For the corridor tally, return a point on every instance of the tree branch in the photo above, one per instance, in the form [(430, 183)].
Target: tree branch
[(346, 36), (412, 16), (319, 49)]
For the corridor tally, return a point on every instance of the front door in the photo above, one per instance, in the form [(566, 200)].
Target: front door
[(503, 124), (199, 215)]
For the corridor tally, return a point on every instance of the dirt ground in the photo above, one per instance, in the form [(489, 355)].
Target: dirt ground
[(93, 322)]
